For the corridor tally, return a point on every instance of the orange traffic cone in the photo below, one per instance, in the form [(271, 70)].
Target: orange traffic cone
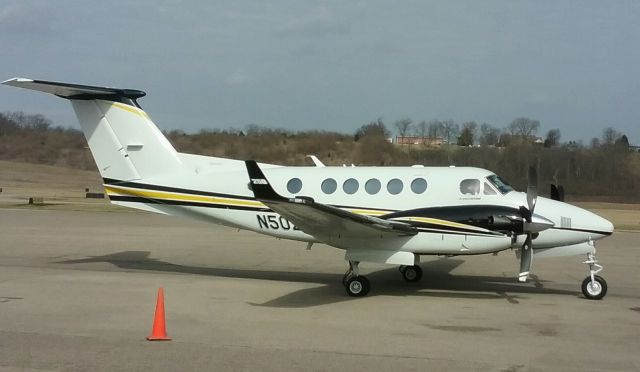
[(159, 331)]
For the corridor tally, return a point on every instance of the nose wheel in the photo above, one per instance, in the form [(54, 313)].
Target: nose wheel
[(594, 287)]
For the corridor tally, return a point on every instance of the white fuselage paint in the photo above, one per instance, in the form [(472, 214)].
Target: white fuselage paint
[(573, 225)]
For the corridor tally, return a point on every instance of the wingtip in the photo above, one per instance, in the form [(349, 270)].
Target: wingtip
[(16, 81)]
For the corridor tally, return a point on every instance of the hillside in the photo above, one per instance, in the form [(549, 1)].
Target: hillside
[(605, 173)]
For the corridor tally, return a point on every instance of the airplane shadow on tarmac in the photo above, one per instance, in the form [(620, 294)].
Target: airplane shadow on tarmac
[(437, 281)]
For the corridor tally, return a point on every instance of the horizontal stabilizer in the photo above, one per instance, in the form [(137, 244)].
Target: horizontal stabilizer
[(75, 91)]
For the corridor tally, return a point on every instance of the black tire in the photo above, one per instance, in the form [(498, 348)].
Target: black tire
[(592, 292), (412, 274), (358, 286)]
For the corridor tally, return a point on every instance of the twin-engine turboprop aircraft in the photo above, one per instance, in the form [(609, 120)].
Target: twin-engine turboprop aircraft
[(390, 215)]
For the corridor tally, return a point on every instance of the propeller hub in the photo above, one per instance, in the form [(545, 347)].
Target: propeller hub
[(537, 224)]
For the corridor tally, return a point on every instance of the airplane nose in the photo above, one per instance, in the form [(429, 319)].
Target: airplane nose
[(605, 226), (570, 217), (599, 225)]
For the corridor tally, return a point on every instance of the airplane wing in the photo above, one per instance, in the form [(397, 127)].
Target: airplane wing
[(322, 220)]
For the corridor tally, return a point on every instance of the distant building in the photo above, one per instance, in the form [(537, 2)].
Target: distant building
[(415, 140)]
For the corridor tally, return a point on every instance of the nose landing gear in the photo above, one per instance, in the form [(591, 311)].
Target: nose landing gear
[(594, 287)]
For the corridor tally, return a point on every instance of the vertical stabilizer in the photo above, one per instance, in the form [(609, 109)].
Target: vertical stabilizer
[(125, 143)]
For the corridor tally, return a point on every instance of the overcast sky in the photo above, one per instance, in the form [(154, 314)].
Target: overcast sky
[(335, 65)]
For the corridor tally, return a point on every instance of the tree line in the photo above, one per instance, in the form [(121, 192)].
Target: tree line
[(603, 170), (520, 130)]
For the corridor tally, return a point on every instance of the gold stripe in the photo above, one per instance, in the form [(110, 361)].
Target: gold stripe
[(184, 197), (131, 109), (367, 211), (126, 191)]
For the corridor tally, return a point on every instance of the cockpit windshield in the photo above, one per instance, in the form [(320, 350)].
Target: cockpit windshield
[(500, 184)]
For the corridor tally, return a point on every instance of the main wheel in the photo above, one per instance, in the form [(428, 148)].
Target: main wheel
[(412, 273), (595, 290), (358, 286)]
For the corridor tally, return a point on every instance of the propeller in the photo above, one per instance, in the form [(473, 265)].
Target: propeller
[(557, 192), (529, 227)]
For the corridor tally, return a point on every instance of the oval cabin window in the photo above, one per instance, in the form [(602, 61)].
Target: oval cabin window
[(395, 186), (419, 185), (329, 186), (350, 186), (372, 186), (294, 185)]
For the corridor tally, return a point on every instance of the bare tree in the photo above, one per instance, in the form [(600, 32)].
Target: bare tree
[(421, 129), (489, 135), (466, 136), (524, 127), (450, 129), (436, 128), (374, 128), (609, 136), (7, 126), (471, 129), (623, 142), (403, 126), (553, 138)]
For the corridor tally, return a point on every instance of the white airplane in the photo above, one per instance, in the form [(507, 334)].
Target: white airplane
[(390, 215)]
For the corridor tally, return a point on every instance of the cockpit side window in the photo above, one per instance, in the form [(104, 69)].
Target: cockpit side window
[(488, 190), (470, 187), (500, 184)]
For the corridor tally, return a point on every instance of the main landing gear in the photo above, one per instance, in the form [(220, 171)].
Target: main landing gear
[(594, 287), (355, 284), (358, 285), (411, 274)]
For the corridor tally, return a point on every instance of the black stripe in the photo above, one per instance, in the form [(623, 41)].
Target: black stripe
[(583, 230), (463, 230), (137, 199), (451, 232), (112, 182), (145, 186)]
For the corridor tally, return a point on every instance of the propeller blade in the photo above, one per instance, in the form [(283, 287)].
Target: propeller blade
[(532, 189), (526, 258), (526, 214), (557, 192), (554, 194)]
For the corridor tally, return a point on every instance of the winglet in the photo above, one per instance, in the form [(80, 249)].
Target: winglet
[(259, 184)]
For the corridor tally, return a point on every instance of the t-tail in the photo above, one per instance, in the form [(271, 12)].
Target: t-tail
[(123, 140)]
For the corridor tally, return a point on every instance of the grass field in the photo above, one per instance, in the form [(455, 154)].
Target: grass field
[(64, 188)]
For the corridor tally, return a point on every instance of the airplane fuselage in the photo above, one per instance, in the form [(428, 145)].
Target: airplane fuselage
[(454, 204)]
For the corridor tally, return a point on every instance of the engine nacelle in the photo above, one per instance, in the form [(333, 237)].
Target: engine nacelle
[(503, 223)]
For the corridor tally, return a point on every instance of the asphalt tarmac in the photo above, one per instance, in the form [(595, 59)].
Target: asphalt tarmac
[(78, 291)]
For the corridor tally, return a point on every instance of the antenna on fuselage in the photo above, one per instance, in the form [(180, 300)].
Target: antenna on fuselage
[(316, 161)]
